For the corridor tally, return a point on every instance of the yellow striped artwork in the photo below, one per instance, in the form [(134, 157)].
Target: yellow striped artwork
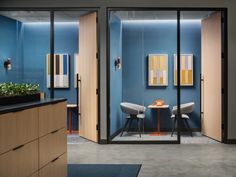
[(157, 70), (186, 70)]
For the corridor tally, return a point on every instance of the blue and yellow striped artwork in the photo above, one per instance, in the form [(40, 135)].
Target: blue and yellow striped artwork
[(186, 70), (61, 71)]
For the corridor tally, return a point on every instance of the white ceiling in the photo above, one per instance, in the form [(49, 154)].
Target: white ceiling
[(161, 15), (43, 16)]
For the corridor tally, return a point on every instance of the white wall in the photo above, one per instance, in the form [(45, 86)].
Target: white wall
[(230, 4)]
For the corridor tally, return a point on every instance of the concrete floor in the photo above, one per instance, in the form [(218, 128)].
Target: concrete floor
[(192, 160)]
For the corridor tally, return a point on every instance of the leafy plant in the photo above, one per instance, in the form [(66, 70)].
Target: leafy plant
[(16, 89)]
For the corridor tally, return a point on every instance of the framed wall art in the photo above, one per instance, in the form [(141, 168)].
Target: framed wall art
[(157, 70)]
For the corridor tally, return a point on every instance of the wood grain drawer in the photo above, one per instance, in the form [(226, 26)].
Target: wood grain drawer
[(56, 168), (21, 162), (7, 132), (46, 121), (51, 118), (18, 128), (59, 113), (26, 126), (51, 146)]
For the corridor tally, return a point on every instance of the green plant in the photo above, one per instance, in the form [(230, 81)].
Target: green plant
[(16, 89)]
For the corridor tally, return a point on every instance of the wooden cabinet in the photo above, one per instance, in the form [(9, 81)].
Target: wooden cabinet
[(52, 146), (32, 139), (26, 126), (20, 162), (51, 118), (59, 115), (46, 120), (18, 128), (7, 132), (56, 168)]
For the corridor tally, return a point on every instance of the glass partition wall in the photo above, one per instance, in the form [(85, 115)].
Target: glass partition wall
[(25, 41), (143, 74)]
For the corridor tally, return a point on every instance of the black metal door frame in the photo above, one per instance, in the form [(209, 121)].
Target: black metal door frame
[(178, 10), (51, 12)]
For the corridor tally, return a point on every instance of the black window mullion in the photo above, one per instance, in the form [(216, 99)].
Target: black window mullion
[(52, 54), (178, 77)]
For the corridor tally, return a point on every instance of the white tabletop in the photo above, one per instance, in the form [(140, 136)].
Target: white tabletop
[(158, 107), (71, 105)]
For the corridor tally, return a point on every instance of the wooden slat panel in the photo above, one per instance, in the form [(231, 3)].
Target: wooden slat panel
[(211, 72), (88, 72)]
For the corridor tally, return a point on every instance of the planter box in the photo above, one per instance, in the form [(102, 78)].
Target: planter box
[(19, 99)]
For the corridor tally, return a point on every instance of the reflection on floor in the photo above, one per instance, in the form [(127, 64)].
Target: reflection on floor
[(134, 136), (75, 139), (197, 138), (185, 160)]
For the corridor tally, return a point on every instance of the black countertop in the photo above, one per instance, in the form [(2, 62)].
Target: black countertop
[(23, 106)]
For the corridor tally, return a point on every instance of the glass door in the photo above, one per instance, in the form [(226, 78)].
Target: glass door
[(142, 72)]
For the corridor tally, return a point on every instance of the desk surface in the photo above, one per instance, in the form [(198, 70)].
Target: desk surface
[(71, 105), (158, 107)]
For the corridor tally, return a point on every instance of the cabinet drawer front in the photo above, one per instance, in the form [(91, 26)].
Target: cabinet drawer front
[(57, 168), (20, 162), (59, 113), (27, 126), (7, 132), (51, 146), (46, 122)]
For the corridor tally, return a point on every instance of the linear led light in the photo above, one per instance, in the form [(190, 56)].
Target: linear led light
[(48, 23), (162, 21)]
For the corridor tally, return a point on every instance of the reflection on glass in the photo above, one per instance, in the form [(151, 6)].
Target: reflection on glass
[(25, 40), (142, 93)]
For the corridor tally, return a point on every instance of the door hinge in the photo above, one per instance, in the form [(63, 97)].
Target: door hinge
[(96, 19), (97, 55), (222, 126), (97, 127), (97, 92)]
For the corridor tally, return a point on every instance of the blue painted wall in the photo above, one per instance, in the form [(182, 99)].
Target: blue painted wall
[(27, 45), (115, 75), (37, 45), (9, 48), (138, 41)]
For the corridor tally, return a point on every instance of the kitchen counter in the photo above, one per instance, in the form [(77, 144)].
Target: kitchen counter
[(23, 106)]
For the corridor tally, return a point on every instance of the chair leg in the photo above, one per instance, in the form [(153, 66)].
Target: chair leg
[(126, 123), (130, 124), (189, 129), (143, 124), (139, 127), (174, 125)]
